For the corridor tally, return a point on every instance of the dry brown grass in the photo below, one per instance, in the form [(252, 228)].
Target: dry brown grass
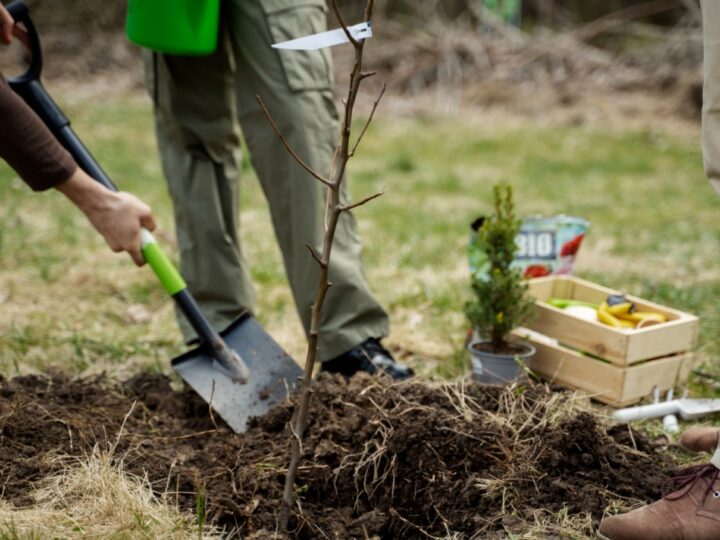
[(96, 498), (560, 525)]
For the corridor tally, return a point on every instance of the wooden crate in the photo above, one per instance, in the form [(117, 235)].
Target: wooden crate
[(619, 386), (617, 345)]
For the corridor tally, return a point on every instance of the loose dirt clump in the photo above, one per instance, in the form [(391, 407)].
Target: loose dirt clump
[(395, 461)]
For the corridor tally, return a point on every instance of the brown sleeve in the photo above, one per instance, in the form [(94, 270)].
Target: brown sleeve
[(28, 146)]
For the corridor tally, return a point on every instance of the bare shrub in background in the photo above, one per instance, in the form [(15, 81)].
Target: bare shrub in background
[(79, 15), (110, 14)]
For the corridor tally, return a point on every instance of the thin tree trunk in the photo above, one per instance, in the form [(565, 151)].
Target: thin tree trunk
[(333, 210)]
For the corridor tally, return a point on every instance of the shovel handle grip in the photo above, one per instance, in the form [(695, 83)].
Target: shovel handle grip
[(176, 287), (165, 271), (21, 14)]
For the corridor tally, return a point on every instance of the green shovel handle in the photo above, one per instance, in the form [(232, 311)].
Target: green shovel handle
[(166, 272), (176, 287)]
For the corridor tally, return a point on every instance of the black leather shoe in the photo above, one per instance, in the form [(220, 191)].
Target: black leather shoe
[(370, 357)]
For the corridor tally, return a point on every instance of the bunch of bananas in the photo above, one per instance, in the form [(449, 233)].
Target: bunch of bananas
[(618, 312)]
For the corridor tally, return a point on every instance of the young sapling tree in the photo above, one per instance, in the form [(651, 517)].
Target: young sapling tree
[(334, 209), (500, 302)]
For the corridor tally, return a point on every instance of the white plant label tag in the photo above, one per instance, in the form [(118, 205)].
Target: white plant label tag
[(327, 39)]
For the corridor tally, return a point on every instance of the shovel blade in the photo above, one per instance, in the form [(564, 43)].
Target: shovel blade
[(273, 374)]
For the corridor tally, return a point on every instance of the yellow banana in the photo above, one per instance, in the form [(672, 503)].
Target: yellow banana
[(620, 309), (625, 323), (639, 316), (604, 316), (651, 315)]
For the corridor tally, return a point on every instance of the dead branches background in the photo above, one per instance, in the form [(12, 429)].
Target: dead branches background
[(454, 53), (477, 59)]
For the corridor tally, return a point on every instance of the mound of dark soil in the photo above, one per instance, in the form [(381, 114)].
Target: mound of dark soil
[(392, 461)]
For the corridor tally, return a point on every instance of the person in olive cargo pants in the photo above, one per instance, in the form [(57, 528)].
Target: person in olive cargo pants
[(201, 103), (692, 512)]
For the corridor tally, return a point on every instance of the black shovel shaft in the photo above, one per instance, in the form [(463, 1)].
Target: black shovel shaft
[(31, 90)]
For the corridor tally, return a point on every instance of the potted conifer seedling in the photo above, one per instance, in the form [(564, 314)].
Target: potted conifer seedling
[(500, 302)]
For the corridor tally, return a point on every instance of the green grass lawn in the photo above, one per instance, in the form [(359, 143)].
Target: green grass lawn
[(69, 303)]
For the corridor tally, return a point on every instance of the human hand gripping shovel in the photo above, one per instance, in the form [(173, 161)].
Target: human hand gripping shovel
[(240, 372)]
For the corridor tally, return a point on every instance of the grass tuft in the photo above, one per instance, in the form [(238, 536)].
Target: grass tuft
[(96, 498)]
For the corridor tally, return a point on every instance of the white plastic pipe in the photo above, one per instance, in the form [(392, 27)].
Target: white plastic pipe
[(644, 412)]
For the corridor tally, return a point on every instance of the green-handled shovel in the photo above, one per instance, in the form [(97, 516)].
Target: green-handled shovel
[(240, 372)]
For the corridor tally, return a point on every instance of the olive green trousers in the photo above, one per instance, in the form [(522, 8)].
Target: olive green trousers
[(711, 91), (201, 104)]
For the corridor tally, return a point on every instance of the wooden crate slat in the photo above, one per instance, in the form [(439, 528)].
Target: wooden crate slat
[(615, 385), (593, 337), (677, 335), (566, 367), (641, 379)]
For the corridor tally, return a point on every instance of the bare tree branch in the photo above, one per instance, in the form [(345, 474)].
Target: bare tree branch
[(210, 408), (315, 255), (347, 207), (287, 146), (369, 10), (344, 26), (364, 129), (621, 16), (333, 161)]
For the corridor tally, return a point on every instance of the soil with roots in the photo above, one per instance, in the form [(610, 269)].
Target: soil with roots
[(391, 461)]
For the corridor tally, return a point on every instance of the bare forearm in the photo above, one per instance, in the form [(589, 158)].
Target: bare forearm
[(117, 216), (86, 194)]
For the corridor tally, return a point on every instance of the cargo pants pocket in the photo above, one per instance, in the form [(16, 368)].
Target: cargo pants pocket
[(291, 19)]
